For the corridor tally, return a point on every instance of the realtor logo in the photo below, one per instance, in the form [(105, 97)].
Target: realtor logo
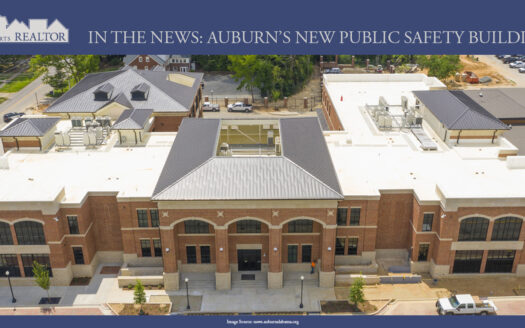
[(38, 31)]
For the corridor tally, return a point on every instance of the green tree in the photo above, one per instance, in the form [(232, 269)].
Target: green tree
[(139, 295), (41, 274), (440, 66), (245, 71), (357, 295), (60, 70)]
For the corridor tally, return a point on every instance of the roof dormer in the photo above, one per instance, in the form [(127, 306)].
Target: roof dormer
[(140, 92), (103, 92)]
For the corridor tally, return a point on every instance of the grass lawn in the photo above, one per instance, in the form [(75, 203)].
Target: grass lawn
[(19, 82), (2, 99)]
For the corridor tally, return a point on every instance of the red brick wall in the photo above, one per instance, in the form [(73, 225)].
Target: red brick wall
[(167, 123), (395, 213), (142, 65), (334, 123)]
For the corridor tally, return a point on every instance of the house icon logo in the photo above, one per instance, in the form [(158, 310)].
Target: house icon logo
[(37, 31)]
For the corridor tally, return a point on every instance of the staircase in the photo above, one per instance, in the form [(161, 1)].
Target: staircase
[(197, 280), (76, 137), (261, 280)]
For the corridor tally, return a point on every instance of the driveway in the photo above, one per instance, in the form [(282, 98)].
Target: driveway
[(223, 85), (506, 306)]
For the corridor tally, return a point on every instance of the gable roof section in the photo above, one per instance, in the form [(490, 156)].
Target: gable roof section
[(193, 171), (458, 112), (194, 145), (29, 127), (164, 95), (132, 119), (304, 144)]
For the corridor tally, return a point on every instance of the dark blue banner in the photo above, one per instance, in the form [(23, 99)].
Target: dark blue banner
[(262, 27)]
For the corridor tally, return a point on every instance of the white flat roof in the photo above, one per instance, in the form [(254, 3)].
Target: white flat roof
[(126, 171), (368, 160)]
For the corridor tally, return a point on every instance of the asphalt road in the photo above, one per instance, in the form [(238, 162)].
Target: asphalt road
[(25, 100)]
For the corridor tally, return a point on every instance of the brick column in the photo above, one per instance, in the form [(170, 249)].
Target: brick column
[(484, 261), (275, 270), (222, 260), (169, 258), (327, 269)]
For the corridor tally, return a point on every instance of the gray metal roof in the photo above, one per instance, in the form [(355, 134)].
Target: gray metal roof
[(29, 127), (160, 59), (106, 87), (248, 178), (506, 103), (132, 119), (516, 136), (458, 112), (193, 171), (164, 95), (194, 144)]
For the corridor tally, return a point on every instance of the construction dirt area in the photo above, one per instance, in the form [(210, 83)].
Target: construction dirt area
[(430, 289), (481, 69)]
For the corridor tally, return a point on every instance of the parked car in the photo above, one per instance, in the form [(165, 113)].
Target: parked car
[(239, 107), (334, 70), (508, 60), (209, 107), (11, 116), (521, 70), (515, 63), (519, 65), (379, 69), (464, 304)]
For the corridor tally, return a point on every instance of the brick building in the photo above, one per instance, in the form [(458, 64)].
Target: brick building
[(176, 63), (221, 198)]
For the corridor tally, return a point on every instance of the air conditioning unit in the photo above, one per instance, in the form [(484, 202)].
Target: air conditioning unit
[(266, 126), (234, 127), (59, 139), (67, 139), (270, 138)]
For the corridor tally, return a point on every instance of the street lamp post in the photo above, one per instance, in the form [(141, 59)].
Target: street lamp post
[(187, 294), (211, 96), (302, 282), (10, 287)]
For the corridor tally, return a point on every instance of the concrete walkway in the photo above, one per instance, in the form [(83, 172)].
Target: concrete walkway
[(103, 288)]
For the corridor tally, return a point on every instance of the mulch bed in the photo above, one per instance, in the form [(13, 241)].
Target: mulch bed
[(134, 309), (80, 281), (50, 300), (110, 270), (146, 287), (331, 307)]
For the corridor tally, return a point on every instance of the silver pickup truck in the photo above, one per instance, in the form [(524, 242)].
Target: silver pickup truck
[(464, 304), (239, 107)]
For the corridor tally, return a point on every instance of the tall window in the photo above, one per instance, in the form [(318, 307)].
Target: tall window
[(422, 255), (191, 254), (157, 247), (248, 226), (355, 216), (301, 226), (342, 213), (196, 226), (28, 259), (500, 261), (78, 255), (9, 262), (428, 218), (473, 229), (72, 221), (507, 228), (145, 247), (205, 254), (154, 213), (306, 253), (30, 233), (5, 234), (142, 216), (467, 261), (292, 253), (340, 246), (352, 246)]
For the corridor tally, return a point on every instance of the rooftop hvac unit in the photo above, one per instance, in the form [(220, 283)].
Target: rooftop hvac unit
[(59, 139), (381, 121), (270, 138), (388, 121), (234, 127), (98, 133), (67, 139), (266, 126), (277, 140), (419, 120), (275, 126), (224, 127), (225, 149)]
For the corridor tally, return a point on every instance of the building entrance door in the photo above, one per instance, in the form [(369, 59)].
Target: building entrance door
[(249, 259)]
